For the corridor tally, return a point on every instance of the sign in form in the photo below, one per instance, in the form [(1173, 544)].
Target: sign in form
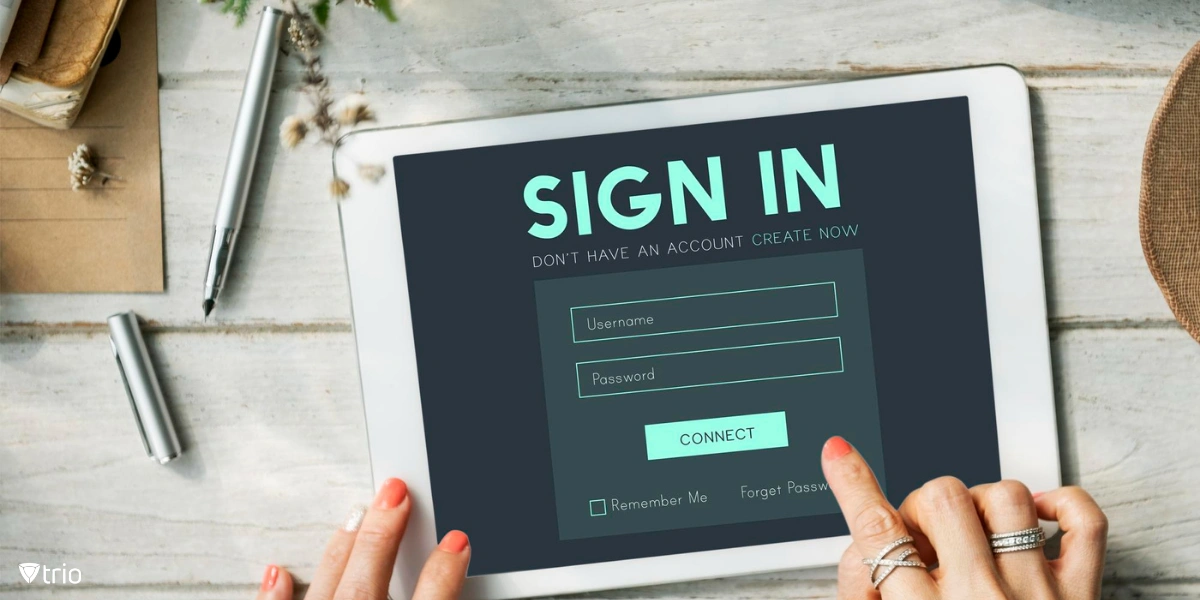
[(701, 395)]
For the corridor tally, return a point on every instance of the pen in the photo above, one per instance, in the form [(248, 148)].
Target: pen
[(247, 131)]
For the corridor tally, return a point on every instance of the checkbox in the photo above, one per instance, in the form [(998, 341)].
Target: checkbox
[(597, 507)]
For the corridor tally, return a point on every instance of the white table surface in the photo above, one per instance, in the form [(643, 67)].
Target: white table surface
[(266, 394)]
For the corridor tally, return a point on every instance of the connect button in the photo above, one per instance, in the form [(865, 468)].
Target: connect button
[(716, 436)]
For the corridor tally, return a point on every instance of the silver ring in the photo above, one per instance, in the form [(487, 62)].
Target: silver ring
[(890, 564), (1017, 541)]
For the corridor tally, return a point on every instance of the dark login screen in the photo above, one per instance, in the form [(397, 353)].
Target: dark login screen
[(636, 344)]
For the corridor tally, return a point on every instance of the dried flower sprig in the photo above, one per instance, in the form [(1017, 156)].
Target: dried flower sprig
[(292, 131), (352, 110), (324, 117), (83, 168), (319, 10), (339, 188)]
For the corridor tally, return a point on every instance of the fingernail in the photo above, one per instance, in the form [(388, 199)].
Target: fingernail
[(836, 447), (454, 542), (270, 576), (391, 494), (354, 521), (1037, 495)]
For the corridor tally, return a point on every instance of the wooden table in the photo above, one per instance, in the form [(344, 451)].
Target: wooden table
[(266, 394)]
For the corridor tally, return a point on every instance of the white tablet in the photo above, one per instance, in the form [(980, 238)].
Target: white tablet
[(609, 343)]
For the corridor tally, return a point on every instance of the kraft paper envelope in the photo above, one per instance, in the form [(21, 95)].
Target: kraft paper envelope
[(103, 238)]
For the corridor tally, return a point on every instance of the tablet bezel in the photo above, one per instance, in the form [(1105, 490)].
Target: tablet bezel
[(1012, 265)]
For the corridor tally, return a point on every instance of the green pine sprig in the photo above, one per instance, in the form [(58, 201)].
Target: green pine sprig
[(239, 9), (385, 8)]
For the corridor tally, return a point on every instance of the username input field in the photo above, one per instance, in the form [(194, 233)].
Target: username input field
[(709, 367), (704, 312)]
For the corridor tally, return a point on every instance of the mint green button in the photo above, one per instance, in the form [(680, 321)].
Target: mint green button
[(716, 436)]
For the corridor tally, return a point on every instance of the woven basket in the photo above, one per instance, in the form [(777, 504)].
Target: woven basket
[(1169, 214)]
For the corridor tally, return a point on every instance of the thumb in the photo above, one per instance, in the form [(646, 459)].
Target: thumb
[(276, 584)]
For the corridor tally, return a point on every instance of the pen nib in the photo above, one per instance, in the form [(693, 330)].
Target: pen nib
[(208, 306)]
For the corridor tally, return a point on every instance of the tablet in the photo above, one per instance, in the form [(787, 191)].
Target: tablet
[(609, 343)]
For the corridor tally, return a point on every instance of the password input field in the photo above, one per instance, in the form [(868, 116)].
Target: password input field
[(704, 312), (709, 367)]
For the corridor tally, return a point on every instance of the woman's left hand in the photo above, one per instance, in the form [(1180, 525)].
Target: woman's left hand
[(358, 560)]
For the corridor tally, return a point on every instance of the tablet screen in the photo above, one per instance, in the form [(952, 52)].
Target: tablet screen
[(635, 344)]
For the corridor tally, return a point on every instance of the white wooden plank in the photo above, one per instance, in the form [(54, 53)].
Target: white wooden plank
[(1160, 591), (289, 266), (276, 453), (813, 590), (156, 592), (679, 36), (1088, 146), (1127, 419)]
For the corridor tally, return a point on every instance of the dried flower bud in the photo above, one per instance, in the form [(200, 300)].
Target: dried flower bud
[(338, 188), (355, 115), (292, 131), (353, 110), (371, 172), (303, 32), (83, 169)]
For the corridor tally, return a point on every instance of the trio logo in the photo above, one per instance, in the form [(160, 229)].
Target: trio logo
[(29, 571), (61, 575)]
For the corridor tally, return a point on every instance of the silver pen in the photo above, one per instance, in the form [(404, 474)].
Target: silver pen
[(239, 167)]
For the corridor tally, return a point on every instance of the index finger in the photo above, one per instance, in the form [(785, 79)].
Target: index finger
[(873, 522)]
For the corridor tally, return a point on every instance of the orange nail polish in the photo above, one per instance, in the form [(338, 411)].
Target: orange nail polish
[(391, 494), (836, 448), (270, 576), (454, 542)]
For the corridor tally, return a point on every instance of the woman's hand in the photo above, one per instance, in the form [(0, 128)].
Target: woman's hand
[(358, 559), (950, 525)]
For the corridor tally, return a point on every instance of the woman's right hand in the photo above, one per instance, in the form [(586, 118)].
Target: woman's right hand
[(358, 560), (950, 526)]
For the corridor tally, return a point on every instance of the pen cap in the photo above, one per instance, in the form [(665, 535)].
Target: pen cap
[(141, 385)]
